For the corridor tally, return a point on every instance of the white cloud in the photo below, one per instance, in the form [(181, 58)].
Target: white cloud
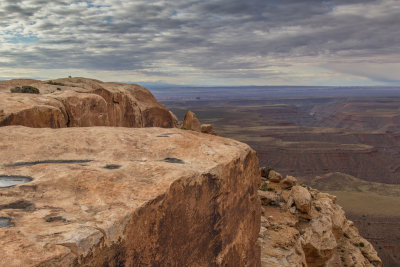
[(198, 42)]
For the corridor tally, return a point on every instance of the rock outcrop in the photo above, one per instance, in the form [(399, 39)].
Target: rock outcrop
[(208, 129), (106, 196), (304, 227), (81, 102), (191, 122), (274, 176)]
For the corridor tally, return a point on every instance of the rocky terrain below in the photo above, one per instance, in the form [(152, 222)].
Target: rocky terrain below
[(290, 135), (301, 226)]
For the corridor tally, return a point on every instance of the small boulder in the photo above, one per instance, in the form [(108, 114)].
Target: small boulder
[(288, 182), (301, 198), (274, 176), (208, 129), (191, 122), (268, 197)]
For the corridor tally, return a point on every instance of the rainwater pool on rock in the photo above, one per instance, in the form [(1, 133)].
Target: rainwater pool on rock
[(11, 180), (5, 222)]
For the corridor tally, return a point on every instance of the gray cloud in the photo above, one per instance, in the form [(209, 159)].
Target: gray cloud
[(166, 37)]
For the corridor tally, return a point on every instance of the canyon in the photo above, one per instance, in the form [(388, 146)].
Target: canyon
[(96, 174), (302, 132)]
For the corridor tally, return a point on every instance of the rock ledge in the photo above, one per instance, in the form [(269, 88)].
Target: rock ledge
[(127, 197)]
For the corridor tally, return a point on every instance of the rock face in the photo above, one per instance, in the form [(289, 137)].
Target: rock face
[(312, 232), (191, 122), (104, 196), (81, 102)]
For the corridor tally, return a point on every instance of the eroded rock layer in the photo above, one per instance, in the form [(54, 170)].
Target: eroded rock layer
[(301, 226), (104, 196), (81, 102)]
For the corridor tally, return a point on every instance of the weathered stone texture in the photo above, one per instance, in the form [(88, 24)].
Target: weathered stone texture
[(81, 102), (128, 197), (304, 227), (191, 122)]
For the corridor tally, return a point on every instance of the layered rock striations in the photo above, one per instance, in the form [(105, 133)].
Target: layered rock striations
[(104, 196), (108, 196), (301, 226), (81, 102)]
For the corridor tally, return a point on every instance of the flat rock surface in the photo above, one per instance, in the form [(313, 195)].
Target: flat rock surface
[(125, 194)]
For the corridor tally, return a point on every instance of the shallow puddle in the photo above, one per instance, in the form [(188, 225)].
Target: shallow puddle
[(7, 181), (5, 222)]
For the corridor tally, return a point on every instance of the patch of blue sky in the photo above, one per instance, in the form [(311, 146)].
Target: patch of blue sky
[(108, 20), (174, 13), (90, 4), (18, 38)]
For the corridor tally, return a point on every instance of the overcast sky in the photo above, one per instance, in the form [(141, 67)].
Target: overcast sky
[(220, 42)]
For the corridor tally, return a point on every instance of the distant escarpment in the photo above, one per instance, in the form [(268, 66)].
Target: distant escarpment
[(80, 102), (301, 226)]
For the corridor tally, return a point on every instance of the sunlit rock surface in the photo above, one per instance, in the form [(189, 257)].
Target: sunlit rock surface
[(103, 196), (302, 227), (81, 102)]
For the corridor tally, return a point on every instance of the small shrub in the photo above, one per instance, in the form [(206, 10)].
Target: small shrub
[(263, 187), (361, 244), (318, 208), (55, 83), (271, 189), (25, 89), (58, 89)]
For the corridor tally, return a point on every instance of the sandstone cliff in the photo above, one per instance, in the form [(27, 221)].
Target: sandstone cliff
[(301, 226), (105, 196), (81, 102)]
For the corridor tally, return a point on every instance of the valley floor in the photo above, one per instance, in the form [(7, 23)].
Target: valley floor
[(353, 142)]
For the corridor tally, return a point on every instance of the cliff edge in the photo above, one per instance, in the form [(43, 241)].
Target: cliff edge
[(105, 196), (118, 196), (301, 226)]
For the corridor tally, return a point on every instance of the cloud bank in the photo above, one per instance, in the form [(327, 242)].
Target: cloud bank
[(221, 42)]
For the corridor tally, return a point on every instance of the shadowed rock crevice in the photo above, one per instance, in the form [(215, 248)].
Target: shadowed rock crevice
[(112, 166), (20, 205), (49, 161), (174, 160)]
